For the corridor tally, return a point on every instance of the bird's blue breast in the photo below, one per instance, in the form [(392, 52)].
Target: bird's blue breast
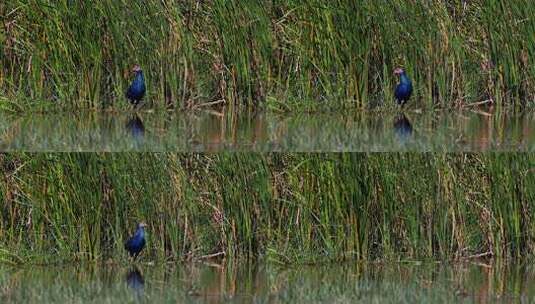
[(404, 89), (136, 91), (136, 243)]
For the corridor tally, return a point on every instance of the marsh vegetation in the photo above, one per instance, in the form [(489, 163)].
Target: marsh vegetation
[(284, 53), (285, 208)]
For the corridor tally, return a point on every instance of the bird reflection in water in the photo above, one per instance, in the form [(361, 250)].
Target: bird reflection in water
[(402, 128), (135, 281), (136, 128)]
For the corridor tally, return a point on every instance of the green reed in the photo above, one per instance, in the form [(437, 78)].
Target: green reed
[(289, 54), (283, 207)]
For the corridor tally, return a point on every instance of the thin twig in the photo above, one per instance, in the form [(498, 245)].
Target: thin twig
[(479, 103), (209, 256), (207, 104), (479, 255)]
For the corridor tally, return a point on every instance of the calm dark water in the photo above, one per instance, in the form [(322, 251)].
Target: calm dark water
[(334, 283), (265, 132)]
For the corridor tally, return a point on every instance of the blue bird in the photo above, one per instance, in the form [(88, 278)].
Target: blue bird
[(135, 244), (136, 91), (404, 89)]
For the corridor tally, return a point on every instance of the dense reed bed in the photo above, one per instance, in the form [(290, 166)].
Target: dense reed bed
[(286, 208), (284, 53)]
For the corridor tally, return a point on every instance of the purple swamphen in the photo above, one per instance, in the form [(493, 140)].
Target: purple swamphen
[(404, 89), (136, 91), (135, 244)]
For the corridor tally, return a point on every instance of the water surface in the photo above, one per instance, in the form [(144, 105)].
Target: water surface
[(249, 283), (210, 131)]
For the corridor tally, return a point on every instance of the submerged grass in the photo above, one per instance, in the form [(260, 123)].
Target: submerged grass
[(289, 54), (287, 208)]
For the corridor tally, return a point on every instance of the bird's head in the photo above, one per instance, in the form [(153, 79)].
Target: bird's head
[(136, 69), (141, 225), (398, 71)]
